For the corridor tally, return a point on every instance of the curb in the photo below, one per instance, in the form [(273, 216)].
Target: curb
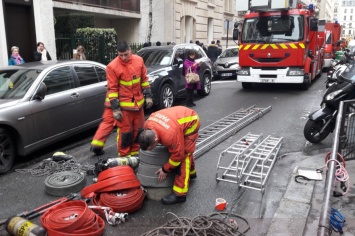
[(291, 216)]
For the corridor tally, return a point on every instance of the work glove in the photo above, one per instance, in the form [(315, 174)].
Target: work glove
[(148, 103), (117, 114)]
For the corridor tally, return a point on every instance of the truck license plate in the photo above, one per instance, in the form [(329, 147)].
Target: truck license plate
[(227, 74), (266, 80)]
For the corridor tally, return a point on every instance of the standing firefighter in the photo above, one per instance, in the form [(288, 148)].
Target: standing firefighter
[(177, 129), (127, 89)]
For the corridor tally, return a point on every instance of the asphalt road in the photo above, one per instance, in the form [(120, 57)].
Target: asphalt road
[(290, 107)]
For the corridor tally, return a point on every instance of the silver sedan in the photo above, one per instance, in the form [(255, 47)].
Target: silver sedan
[(44, 102), (227, 64)]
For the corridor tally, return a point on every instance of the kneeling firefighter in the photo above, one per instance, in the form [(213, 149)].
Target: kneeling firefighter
[(177, 129)]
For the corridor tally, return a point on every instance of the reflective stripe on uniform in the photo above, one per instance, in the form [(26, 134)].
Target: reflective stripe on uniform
[(189, 119), (174, 163), (131, 82), (113, 95), (98, 143), (135, 153), (131, 104), (145, 84), (185, 189)]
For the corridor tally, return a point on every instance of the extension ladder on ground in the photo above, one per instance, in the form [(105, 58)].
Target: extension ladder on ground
[(262, 160), (232, 160), (213, 134)]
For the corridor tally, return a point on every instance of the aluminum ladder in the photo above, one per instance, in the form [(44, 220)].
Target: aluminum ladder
[(236, 155), (215, 133), (262, 160)]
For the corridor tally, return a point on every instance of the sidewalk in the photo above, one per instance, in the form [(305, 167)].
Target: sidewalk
[(300, 208)]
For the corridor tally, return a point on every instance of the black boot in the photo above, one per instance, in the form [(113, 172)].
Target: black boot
[(189, 94), (97, 151), (172, 199)]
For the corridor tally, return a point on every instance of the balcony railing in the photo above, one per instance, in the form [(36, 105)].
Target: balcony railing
[(121, 5)]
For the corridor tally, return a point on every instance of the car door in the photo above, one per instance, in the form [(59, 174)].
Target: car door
[(60, 111), (177, 72), (92, 89)]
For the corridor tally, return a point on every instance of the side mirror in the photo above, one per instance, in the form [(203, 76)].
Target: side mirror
[(313, 24), (235, 34), (41, 92)]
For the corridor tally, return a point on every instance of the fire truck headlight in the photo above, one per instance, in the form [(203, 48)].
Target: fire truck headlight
[(243, 71), (295, 72)]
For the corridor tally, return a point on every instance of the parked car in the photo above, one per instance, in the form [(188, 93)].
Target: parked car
[(227, 64), (44, 102), (165, 71)]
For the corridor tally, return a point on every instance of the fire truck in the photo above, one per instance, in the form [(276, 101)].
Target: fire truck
[(332, 43), (279, 42)]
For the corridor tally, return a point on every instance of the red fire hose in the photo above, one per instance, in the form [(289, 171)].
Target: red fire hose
[(117, 188), (72, 218)]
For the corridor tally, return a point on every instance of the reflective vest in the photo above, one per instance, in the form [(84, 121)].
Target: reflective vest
[(126, 82)]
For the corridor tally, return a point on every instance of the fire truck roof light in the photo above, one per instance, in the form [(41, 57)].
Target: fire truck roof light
[(310, 7)]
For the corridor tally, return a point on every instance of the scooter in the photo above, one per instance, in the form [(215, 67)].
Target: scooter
[(322, 122), (337, 67)]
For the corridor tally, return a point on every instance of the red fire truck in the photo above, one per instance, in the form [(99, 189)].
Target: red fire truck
[(332, 44), (279, 42)]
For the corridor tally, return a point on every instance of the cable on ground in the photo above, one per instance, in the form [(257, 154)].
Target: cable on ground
[(49, 166), (337, 221), (217, 224)]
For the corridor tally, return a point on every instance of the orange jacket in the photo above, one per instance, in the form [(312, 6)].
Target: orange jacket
[(171, 126), (126, 82)]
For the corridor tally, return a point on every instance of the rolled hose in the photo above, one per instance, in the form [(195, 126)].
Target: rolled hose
[(72, 218)]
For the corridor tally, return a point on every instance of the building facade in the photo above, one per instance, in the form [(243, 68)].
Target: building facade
[(346, 18), (137, 21)]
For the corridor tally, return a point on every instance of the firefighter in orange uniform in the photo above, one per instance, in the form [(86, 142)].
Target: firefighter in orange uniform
[(177, 129), (127, 90)]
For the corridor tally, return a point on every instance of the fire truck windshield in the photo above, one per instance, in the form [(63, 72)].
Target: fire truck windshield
[(273, 29)]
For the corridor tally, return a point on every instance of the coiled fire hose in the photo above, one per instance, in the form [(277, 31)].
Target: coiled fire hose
[(72, 218), (113, 179), (117, 188)]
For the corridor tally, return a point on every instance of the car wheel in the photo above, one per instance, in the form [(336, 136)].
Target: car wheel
[(205, 85), (7, 151), (166, 98), (246, 85)]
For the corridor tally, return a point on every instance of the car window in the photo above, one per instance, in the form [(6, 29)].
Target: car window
[(101, 73), (59, 80), (179, 53), (156, 57), (232, 52), (15, 83), (199, 53), (86, 74)]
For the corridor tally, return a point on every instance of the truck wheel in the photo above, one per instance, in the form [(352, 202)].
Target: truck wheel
[(246, 85), (7, 151), (306, 83)]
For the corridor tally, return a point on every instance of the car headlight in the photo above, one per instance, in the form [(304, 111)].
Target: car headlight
[(333, 94), (295, 72), (234, 66), (243, 72), (152, 78)]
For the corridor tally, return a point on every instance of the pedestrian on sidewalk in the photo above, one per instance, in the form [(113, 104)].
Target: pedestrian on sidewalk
[(191, 64), (213, 51), (127, 91), (177, 129), (80, 53), (41, 54), (15, 58)]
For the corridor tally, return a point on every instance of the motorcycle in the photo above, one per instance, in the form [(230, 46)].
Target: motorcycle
[(338, 66), (322, 122)]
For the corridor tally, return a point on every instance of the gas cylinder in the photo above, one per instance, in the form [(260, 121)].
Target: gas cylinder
[(19, 226), (132, 161)]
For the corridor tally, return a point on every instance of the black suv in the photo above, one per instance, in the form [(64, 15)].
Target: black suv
[(164, 68)]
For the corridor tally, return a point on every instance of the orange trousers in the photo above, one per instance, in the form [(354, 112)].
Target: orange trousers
[(127, 131), (187, 166), (104, 130)]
